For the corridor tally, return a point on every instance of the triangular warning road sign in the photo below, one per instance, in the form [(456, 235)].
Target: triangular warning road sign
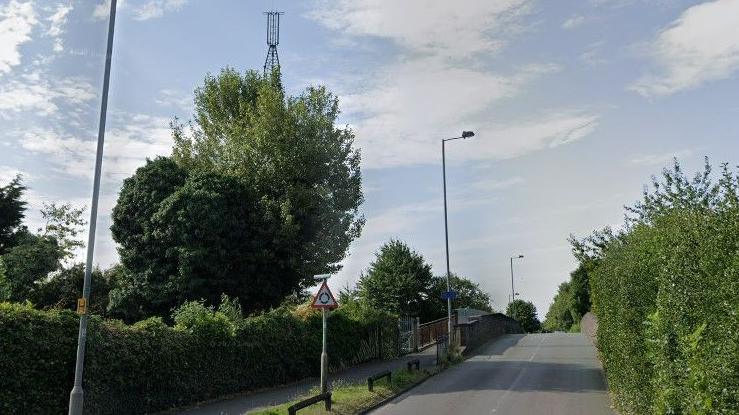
[(324, 298)]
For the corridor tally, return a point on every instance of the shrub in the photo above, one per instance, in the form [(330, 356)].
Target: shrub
[(666, 293), (150, 366)]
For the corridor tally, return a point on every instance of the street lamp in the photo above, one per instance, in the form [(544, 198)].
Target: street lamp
[(465, 134), (76, 396), (513, 292)]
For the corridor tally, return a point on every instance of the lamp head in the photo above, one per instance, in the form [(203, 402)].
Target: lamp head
[(520, 256), (467, 134)]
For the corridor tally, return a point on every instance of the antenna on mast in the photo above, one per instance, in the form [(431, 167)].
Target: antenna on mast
[(273, 39)]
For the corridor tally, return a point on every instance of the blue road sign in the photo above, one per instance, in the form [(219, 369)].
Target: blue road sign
[(448, 295)]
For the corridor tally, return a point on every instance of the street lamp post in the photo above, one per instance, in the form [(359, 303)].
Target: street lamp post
[(76, 397), (465, 134), (513, 292)]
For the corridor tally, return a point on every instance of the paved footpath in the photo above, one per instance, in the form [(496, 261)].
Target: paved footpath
[(556, 374), (248, 402)]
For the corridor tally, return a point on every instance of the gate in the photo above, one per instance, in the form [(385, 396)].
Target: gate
[(408, 328)]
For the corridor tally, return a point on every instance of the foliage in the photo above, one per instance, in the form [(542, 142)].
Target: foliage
[(63, 223), (665, 292), (469, 295), (29, 262), (142, 286), (570, 303), (525, 313), (4, 284), (398, 280), (64, 288), (12, 211), (162, 366), (212, 237), (302, 169)]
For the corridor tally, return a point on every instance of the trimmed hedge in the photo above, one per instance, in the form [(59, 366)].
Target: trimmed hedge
[(666, 294), (150, 366)]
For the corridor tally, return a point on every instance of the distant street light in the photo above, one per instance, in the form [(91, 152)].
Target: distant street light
[(513, 291), (465, 134)]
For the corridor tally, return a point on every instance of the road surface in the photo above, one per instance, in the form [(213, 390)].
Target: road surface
[(518, 374)]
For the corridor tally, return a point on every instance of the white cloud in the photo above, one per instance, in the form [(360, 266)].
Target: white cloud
[(131, 139), (702, 45), (16, 23), (156, 8), (496, 184), (56, 25), (8, 173), (150, 9), (442, 28), (573, 22), (661, 159), (37, 92), (175, 99), (518, 137), (593, 54), (439, 82), (415, 102)]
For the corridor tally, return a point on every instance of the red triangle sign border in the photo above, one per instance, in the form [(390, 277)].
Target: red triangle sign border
[(315, 303)]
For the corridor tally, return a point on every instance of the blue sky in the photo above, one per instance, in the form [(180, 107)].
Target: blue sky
[(574, 104)]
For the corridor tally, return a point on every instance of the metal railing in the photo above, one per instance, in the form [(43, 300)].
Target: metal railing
[(429, 332)]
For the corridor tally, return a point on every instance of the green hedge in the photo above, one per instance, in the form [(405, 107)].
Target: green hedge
[(150, 366), (666, 294)]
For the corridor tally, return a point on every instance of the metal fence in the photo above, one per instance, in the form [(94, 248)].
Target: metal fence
[(429, 332)]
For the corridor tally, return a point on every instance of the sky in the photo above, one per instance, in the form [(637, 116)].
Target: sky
[(574, 106)]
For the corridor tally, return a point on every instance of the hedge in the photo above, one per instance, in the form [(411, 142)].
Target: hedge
[(150, 366), (666, 294)]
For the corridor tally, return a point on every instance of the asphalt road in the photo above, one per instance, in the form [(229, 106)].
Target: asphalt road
[(554, 374)]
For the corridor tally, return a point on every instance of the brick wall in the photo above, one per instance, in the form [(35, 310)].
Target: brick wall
[(485, 328)]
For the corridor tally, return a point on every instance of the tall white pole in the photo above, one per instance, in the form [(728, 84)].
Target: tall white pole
[(76, 397), (324, 356), (446, 242)]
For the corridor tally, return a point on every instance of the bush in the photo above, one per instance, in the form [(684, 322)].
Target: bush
[(150, 366), (666, 294)]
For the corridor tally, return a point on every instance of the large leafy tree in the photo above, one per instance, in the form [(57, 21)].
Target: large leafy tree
[(144, 283), (12, 211), (195, 240), (398, 280), (303, 169), (525, 313), (469, 295)]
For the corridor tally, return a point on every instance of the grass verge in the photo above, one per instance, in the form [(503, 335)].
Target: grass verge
[(349, 399)]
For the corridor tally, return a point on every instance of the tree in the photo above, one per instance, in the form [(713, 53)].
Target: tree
[(63, 290), (559, 317), (143, 257), (301, 167), (4, 284), (571, 302), (469, 295), (398, 280), (525, 313), (64, 223), (29, 262), (12, 211), (212, 237)]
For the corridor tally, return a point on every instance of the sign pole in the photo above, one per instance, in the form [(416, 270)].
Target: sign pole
[(324, 300), (324, 356)]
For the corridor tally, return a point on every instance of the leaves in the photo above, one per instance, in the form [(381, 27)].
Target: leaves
[(666, 291)]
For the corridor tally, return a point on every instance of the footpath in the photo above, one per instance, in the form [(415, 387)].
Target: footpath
[(238, 405)]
